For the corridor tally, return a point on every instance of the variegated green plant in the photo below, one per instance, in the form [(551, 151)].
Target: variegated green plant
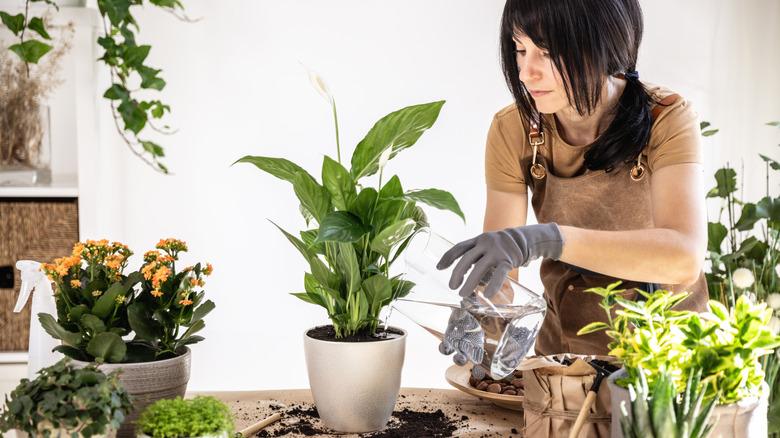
[(652, 339), (360, 230)]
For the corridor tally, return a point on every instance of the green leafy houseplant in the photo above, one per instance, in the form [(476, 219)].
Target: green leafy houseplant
[(132, 79), (652, 339), (98, 307), (174, 418), (360, 230), (81, 402), (663, 413)]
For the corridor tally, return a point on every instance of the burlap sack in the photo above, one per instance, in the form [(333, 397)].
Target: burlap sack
[(554, 394)]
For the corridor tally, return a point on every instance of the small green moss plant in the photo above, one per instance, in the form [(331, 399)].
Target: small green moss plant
[(84, 402), (174, 418)]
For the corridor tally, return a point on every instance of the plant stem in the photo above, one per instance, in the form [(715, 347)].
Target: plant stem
[(336, 123), (21, 37)]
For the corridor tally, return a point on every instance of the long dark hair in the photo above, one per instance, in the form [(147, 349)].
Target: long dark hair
[(587, 40)]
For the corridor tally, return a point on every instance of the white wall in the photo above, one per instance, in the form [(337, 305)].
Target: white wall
[(236, 88)]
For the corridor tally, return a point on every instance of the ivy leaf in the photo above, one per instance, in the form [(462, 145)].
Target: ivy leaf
[(133, 116), (116, 10), (117, 92), (37, 25), (135, 56), (31, 50), (14, 23), (153, 148)]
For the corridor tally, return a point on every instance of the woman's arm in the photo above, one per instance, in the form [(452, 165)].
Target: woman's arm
[(671, 253), (505, 210)]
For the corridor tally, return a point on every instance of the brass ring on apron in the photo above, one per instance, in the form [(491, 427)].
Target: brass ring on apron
[(638, 171), (536, 138)]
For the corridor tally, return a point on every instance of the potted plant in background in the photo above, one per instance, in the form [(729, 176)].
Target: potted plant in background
[(66, 401), (132, 79), (201, 416), (743, 253), (726, 347), (140, 323), (360, 231)]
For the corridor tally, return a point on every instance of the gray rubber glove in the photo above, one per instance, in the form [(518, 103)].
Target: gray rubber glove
[(464, 337), (495, 253)]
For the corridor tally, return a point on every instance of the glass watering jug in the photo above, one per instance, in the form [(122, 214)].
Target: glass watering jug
[(510, 319)]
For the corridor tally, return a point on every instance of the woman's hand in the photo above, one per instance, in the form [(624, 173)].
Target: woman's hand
[(493, 254)]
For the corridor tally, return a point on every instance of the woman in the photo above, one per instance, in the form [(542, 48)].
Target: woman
[(613, 167)]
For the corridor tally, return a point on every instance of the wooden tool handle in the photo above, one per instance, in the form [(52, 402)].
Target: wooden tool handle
[(589, 399), (253, 429)]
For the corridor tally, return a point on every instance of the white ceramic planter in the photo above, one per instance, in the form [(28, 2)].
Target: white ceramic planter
[(147, 382), (745, 419), (355, 384), (63, 433)]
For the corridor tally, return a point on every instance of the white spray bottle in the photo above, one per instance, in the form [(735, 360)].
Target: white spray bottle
[(41, 343)]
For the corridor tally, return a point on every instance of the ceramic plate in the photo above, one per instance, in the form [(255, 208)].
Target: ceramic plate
[(458, 377)]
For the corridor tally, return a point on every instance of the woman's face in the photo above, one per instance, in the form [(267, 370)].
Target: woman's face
[(540, 77)]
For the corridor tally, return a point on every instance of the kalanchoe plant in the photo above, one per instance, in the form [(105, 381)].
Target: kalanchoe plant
[(360, 230), (661, 412), (652, 339), (174, 418), (91, 293), (98, 307), (80, 402), (170, 307)]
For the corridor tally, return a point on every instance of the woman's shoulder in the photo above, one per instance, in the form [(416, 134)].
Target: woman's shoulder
[(668, 104), (674, 136)]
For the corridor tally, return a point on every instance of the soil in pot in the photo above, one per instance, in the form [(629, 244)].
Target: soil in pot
[(511, 385), (327, 333)]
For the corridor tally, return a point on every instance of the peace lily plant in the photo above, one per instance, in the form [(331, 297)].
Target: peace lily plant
[(360, 230)]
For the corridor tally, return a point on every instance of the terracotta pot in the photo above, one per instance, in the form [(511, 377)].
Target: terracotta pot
[(355, 384)]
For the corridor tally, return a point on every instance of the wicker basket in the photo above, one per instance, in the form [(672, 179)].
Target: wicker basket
[(31, 229)]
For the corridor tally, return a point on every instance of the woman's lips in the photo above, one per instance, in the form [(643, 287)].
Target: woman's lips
[(538, 93)]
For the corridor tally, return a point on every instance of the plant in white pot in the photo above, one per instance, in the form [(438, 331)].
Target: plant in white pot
[(66, 401), (360, 231), (140, 323), (652, 339), (201, 417)]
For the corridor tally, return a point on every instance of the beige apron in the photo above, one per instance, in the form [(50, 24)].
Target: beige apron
[(597, 200)]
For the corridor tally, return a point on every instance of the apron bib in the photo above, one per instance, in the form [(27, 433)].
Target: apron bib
[(597, 200)]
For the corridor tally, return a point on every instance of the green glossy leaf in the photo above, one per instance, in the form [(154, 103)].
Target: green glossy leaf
[(117, 92), (31, 50), (57, 332), (136, 55), (349, 267), (716, 232), (747, 218), (140, 319), (279, 167), (107, 347), (105, 304), (392, 189), (378, 290), (397, 130), (314, 198), (92, 323), (726, 181), (391, 236), (436, 198), (364, 204), (116, 10), (592, 327), (201, 311), (337, 180), (341, 226), (772, 162), (36, 24)]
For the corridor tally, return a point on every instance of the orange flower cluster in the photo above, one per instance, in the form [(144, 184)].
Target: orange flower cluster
[(157, 269), (172, 246)]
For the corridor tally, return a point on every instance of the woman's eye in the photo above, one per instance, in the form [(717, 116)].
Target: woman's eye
[(546, 54), (520, 52)]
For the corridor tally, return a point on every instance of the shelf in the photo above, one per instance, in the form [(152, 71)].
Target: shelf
[(13, 357), (62, 186)]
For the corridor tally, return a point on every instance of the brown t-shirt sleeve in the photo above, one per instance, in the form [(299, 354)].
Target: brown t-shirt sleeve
[(675, 137), (502, 155)]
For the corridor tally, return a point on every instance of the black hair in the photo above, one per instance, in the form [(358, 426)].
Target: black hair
[(587, 40)]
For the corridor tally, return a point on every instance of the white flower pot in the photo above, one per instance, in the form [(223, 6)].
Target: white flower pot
[(744, 419), (355, 384), (147, 382), (63, 432)]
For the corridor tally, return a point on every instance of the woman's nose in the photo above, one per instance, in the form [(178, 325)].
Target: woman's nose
[(531, 68)]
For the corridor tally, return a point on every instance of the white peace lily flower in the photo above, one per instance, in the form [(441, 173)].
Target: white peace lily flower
[(320, 86), (773, 300), (774, 325), (385, 157), (743, 278)]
